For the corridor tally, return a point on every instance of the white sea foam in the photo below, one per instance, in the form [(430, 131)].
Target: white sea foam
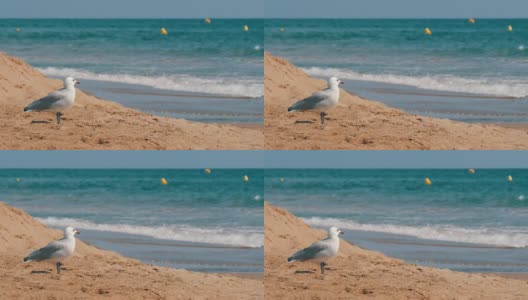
[(482, 86), (484, 236), (244, 237), (217, 86)]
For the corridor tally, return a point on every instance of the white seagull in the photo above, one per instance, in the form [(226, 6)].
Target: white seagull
[(322, 249), (321, 101), (56, 101), (56, 250)]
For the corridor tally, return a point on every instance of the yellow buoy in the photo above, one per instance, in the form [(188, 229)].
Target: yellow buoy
[(472, 171), (163, 31), (207, 171), (472, 21), (246, 178), (164, 181), (246, 28), (510, 178), (282, 180), (427, 31), (281, 30), (510, 28), (18, 180), (207, 21), (18, 30), (427, 181)]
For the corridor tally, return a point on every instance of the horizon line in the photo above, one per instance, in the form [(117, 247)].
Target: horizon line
[(265, 18), (263, 159)]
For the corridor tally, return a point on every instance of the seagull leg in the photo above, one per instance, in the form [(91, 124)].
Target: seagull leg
[(59, 264), (59, 114), (323, 114), (322, 267)]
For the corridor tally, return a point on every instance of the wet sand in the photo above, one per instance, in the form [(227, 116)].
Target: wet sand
[(196, 107)]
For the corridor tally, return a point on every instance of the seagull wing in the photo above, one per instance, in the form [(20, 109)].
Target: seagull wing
[(312, 102), (46, 252), (47, 102), (313, 251)]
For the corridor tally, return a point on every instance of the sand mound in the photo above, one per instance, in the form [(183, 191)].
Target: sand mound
[(99, 124), (358, 273), (95, 273), (363, 124)]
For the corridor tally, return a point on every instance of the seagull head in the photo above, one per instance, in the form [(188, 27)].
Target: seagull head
[(70, 231), (70, 82), (334, 232), (334, 82)]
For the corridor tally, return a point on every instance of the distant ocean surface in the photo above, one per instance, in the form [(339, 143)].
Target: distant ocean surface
[(217, 59), (468, 72), (204, 222), (468, 222)]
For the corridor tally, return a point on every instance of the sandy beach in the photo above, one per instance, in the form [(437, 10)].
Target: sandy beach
[(95, 273), (358, 273), (364, 124), (96, 124)]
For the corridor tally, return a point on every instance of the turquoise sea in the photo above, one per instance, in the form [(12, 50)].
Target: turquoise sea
[(469, 72), (187, 73), (468, 222), (198, 221)]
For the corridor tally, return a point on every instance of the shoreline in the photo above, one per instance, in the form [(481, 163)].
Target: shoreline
[(360, 273), (190, 106), (174, 254), (97, 124), (249, 275), (94, 272), (362, 124), (523, 126), (440, 254), (520, 276), (455, 106)]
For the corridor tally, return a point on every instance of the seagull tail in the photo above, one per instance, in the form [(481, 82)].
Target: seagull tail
[(26, 109), (291, 109), (26, 259), (291, 259)]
